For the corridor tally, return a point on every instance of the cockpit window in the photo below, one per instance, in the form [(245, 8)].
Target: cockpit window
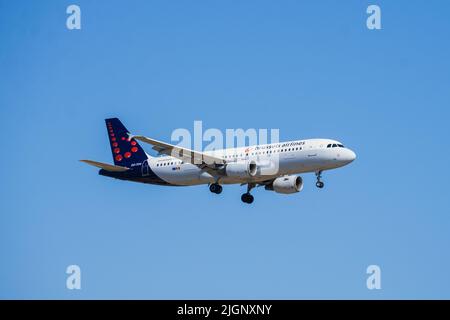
[(335, 145)]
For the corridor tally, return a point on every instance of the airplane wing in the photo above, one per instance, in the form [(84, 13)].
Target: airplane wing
[(200, 159), (108, 167)]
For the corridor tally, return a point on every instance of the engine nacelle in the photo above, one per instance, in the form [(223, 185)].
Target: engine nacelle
[(241, 169), (286, 185)]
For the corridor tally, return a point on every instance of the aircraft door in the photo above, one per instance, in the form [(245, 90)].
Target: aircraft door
[(145, 168)]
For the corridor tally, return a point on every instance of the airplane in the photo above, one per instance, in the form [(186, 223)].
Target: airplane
[(274, 166)]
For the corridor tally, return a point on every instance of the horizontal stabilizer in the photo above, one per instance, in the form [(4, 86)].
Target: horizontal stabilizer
[(108, 167)]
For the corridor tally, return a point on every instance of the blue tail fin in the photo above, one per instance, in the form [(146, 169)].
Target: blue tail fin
[(126, 153)]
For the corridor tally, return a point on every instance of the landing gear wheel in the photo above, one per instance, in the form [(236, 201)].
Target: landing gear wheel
[(319, 183), (247, 198), (215, 188)]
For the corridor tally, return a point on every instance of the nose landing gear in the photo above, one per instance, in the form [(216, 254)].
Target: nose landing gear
[(319, 183)]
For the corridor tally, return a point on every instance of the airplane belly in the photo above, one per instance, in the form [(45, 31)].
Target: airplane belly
[(181, 175)]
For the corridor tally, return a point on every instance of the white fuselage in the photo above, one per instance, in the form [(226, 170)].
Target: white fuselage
[(273, 160)]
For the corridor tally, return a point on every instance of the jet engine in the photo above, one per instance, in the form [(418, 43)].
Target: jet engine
[(241, 169), (286, 184)]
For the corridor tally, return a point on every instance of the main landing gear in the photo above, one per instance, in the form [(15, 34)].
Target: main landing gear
[(215, 188), (319, 183), (247, 197)]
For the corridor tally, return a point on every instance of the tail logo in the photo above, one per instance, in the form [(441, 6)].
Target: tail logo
[(125, 150), (119, 157)]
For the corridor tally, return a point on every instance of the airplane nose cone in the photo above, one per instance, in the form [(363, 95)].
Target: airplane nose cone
[(346, 156), (350, 156)]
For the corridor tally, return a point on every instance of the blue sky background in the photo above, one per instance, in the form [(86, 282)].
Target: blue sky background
[(309, 68)]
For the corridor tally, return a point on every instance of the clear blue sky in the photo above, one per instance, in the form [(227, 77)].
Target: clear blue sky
[(309, 68)]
